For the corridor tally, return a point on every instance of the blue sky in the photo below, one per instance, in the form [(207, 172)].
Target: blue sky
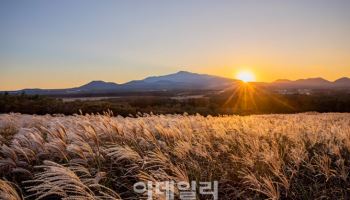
[(55, 44)]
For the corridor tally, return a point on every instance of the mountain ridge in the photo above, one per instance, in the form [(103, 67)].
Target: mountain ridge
[(184, 80)]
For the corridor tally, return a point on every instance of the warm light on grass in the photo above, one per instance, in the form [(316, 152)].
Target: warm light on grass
[(245, 76)]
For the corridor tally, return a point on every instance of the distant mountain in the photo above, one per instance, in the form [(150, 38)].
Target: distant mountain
[(99, 85), (310, 83), (343, 82), (181, 80), (188, 77), (178, 81), (185, 81)]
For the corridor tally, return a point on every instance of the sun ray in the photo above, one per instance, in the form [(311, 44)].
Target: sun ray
[(245, 99)]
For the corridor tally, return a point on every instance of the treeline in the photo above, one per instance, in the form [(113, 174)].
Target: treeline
[(226, 103)]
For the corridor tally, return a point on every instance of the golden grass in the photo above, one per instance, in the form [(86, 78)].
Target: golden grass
[(301, 156)]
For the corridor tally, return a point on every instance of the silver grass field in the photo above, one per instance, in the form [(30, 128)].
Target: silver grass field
[(298, 156)]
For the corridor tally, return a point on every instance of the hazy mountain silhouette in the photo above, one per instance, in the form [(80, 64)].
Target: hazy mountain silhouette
[(188, 77), (180, 80), (303, 83), (342, 82), (183, 80), (311, 83), (99, 85)]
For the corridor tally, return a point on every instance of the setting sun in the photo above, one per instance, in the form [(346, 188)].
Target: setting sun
[(245, 76)]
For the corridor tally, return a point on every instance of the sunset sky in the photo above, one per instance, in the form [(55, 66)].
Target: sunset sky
[(59, 44)]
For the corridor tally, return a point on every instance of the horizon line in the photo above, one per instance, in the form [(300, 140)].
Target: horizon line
[(234, 79)]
